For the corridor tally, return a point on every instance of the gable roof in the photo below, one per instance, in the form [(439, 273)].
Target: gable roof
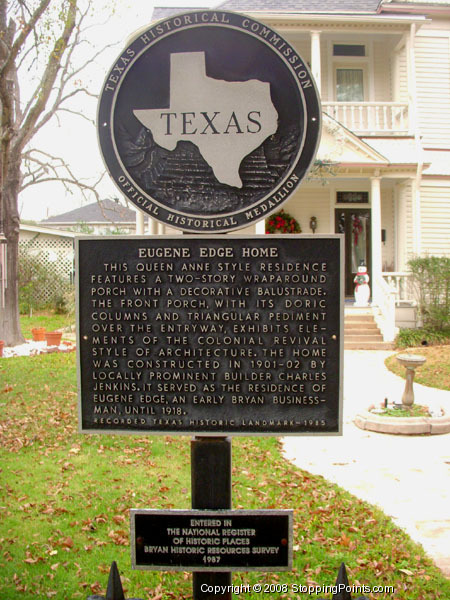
[(303, 6), (338, 144), (104, 211), (353, 7)]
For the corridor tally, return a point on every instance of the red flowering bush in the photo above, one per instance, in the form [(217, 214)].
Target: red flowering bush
[(282, 222)]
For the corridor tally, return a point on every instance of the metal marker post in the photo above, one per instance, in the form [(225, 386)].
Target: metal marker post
[(211, 489), (158, 68)]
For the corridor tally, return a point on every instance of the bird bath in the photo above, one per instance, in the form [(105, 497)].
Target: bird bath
[(410, 362)]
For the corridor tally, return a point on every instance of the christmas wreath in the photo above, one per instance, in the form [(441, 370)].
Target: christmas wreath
[(282, 222), (360, 279)]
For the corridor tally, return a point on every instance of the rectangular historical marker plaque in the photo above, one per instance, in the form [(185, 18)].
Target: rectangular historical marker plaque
[(225, 540), (210, 335)]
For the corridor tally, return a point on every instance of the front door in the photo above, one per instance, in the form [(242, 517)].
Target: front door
[(355, 224)]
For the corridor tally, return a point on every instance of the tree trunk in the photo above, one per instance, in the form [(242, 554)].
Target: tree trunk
[(17, 129), (9, 317)]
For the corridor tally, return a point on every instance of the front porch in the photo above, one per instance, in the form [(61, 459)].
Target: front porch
[(374, 327)]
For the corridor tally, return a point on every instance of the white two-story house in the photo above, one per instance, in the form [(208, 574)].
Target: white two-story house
[(382, 69)]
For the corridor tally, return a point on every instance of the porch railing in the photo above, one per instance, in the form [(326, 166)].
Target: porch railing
[(371, 117), (385, 301), (401, 284)]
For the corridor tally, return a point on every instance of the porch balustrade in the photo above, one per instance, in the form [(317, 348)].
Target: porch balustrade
[(401, 284), (385, 301), (371, 117), (391, 290)]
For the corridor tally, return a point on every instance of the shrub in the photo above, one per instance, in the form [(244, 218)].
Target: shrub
[(65, 303), (412, 338), (39, 287), (431, 281)]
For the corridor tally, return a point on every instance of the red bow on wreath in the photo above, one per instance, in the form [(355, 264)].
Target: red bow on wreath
[(357, 228)]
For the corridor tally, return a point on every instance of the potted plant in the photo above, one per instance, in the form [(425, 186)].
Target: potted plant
[(53, 338), (38, 334)]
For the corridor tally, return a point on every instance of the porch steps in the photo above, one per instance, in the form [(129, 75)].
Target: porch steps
[(361, 332)]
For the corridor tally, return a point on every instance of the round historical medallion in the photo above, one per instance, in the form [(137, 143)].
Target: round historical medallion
[(208, 121)]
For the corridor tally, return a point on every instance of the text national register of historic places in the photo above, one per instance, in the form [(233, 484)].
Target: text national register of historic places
[(210, 335)]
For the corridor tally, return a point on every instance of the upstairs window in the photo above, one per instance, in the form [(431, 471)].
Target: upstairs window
[(349, 85)]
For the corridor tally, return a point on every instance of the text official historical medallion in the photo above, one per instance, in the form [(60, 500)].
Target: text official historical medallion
[(208, 121)]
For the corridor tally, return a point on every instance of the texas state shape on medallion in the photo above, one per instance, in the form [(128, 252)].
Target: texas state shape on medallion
[(226, 120)]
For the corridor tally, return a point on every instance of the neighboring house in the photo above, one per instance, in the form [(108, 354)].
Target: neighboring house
[(382, 69), (103, 217)]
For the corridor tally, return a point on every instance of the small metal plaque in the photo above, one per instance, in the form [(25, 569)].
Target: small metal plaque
[(224, 540), (208, 121), (220, 334)]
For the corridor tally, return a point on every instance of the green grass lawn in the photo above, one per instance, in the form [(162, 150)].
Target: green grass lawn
[(65, 501), (50, 320), (434, 373)]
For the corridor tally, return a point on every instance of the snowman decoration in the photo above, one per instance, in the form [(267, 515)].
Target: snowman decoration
[(362, 289)]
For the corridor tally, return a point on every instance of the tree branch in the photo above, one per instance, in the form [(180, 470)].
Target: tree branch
[(21, 39), (48, 79), (60, 99), (51, 168)]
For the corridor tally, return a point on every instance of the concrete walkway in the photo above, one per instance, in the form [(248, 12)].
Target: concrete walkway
[(408, 477)]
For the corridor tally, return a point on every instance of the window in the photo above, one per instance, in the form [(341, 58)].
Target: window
[(349, 50), (352, 197), (349, 85)]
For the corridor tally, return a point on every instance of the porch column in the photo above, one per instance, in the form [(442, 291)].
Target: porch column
[(375, 195), (315, 58), (152, 224), (400, 220), (139, 222), (417, 219), (412, 83)]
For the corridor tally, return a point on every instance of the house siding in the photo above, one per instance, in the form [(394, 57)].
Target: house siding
[(303, 47), (311, 201), (432, 57), (435, 219), (400, 76), (382, 72)]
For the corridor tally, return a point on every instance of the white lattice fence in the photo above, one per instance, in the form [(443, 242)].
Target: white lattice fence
[(53, 253)]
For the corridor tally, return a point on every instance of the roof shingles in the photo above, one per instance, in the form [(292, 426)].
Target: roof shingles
[(308, 6), (105, 211)]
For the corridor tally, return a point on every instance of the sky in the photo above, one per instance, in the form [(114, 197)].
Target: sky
[(75, 138)]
